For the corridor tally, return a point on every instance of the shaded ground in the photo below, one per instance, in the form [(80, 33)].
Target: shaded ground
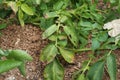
[(29, 38)]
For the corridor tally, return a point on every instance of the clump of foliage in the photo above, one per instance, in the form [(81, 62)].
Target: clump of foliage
[(71, 25), (10, 59)]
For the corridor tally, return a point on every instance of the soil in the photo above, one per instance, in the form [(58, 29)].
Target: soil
[(28, 38)]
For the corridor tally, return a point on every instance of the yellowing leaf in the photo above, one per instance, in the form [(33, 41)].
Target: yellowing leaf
[(71, 33), (67, 55), (48, 54), (13, 6), (54, 71), (49, 31)]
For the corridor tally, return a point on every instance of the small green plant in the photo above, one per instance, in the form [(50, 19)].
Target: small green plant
[(73, 26), (10, 59)]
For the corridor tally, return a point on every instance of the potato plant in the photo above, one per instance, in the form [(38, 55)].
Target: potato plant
[(70, 26)]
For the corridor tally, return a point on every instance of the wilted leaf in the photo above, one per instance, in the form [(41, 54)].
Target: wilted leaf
[(67, 55), (19, 55), (13, 6), (112, 66), (96, 71), (71, 33), (54, 71), (114, 27), (50, 31), (48, 54), (28, 10), (7, 65)]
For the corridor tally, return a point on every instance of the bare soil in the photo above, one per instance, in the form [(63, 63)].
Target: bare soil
[(28, 38)]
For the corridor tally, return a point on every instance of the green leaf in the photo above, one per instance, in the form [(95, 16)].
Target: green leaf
[(48, 53), (67, 55), (71, 33), (22, 68), (28, 10), (102, 36), (50, 31), (81, 77), (19, 55), (51, 15), (38, 1), (112, 66), (96, 71), (3, 25), (20, 17), (95, 44), (7, 65), (58, 5), (54, 71)]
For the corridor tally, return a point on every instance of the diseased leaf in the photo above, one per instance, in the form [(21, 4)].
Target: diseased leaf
[(71, 33), (96, 71), (28, 10), (54, 71), (7, 65), (13, 6), (19, 55), (48, 54), (67, 55), (112, 66), (50, 31), (22, 68)]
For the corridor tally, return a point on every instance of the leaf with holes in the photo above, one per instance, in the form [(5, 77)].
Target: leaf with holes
[(112, 66), (71, 33), (7, 65), (67, 55), (54, 71), (96, 71), (50, 31), (48, 54)]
